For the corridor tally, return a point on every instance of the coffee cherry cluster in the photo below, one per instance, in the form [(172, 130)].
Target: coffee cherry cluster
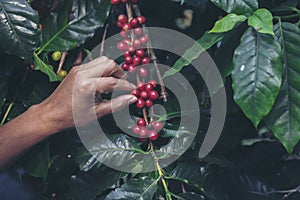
[(115, 2), (145, 94), (147, 131), (133, 46), (134, 54)]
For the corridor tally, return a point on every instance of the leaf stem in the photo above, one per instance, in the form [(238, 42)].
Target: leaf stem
[(103, 39), (6, 113), (62, 61)]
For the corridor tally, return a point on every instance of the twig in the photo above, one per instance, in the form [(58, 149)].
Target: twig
[(62, 61), (7, 113), (103, 39), (153, 56)]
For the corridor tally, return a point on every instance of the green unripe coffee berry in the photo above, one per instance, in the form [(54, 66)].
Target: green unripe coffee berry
[(62, 73), (56, 56)]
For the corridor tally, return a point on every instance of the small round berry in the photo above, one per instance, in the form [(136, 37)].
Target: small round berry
[(143, 72), (56, 56), (153, 82), (144, 39), (138, 31), (125, 66), (132, 69), (127, 41), (157, 126), (114, 2), (149, 87), (141, 19), (126, 54), (140, 103), (144, 95), (122, 46), (153, 95), (144, 132), (149, 103), (141, 86), (137, 43), (136, 129), (141, 122), (134, 22), (62, 73), (153, 135), (136, 60), (124, 34), (140, 53), (128, 59), (119, 24), (123, 19), (146, 60), (126, 27), (136, 93), (131, 49)]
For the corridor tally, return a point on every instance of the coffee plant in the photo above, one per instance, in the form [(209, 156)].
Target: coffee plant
[(255, 45)]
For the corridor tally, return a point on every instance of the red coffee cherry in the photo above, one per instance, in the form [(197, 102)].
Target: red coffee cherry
[(141, 85), (114, 2), (126, 27), (128, 59), (144, 39), (153, 82), (122, 46), (136, 129), (124, 34), (119, 24), (134, 22), (149, 87), (141, 19), (146, 60), (144, 95), (138, 31), (132, 69), (125, 67), (136, 60), (153, 95), (141, 122), (131, 49), (157, 126), (140, 103), (148, 103), (136, 93), (140, 53), (153, 135), (137, 43), (144, 132), (123, 19), (143, 72)]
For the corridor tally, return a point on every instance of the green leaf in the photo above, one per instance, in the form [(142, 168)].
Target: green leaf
[(284, 118), (227, 23), (88, 186), (141, 189), (262, 21), (45, 68), (37, 161), (19, 27), (120, 151), (257, 74), (189, 172), (87, 16), (204, 43), (237, 6)]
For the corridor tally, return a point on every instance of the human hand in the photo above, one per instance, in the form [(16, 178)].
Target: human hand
[(76, 94)]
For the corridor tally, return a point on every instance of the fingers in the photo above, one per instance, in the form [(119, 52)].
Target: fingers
[(114, 105), (108, 84), (101, 67)]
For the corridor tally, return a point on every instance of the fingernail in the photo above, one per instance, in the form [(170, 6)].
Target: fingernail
[(132, 99)]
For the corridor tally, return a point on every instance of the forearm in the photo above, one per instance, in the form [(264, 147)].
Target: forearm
[(21, 133)]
